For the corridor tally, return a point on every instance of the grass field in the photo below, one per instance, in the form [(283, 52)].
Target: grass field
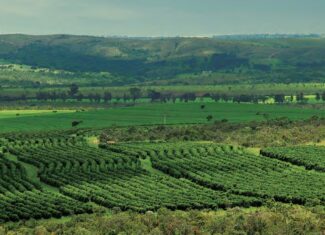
[(147, 114), (25, 113)]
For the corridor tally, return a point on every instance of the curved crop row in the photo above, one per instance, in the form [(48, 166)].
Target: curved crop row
[(311, 157)]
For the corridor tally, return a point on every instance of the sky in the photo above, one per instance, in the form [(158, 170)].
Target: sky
[(162, 17)]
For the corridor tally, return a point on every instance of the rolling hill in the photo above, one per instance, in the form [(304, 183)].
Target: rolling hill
[(120, 61)]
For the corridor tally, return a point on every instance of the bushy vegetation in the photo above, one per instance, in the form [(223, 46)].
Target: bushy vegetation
[(274, 219), (274, 132)]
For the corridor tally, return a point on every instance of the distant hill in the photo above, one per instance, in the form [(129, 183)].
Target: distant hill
[(266, 36), (259, 59)]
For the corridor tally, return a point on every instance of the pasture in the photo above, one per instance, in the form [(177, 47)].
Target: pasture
[(152, 113)]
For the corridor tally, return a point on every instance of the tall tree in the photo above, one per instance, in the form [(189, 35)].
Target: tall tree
[(74, 89), (107, 96), (279, 98), (135, 93)]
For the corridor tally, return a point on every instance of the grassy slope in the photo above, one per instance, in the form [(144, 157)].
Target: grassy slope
[(147, 114)]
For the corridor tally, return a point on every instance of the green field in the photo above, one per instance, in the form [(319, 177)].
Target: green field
[(26, 113), (156, 113)]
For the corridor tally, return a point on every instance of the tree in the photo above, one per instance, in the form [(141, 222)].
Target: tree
[(125, 98), (53, 96), (300, 97), (317, 96), (135, 93), (97, 98), (323, 96), (107, 96), (154, 95), (202, 106), (215, 97), (279, 98), (209, 117), (75, 123), (42, 95), (188, 97), (74, 88), (80, 97), (63, 96), (91, 97), (23, 97), (291, 98)]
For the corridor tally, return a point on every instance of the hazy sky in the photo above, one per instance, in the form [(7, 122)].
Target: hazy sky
[(162, 17)]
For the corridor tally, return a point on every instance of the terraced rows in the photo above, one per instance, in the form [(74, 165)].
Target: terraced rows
[(116, 179), (141, 191), (22, 199), (225, 168), (71, 158), (185, 175), (311, 157)]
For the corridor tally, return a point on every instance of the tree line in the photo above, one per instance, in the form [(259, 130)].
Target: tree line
[(134, 94)]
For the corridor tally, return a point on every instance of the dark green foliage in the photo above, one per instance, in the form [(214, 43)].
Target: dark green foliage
[(311, 157), (205, 60), (75, 123), (224, 167), (114, 178), (21, 199)]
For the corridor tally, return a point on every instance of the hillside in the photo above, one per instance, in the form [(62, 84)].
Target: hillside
[(120, 61)]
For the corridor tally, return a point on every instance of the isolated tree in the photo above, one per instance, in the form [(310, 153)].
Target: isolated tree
[(202, 106), (323, 96), (317, 96), (209, 117), (75, 123), (74, 88), (135, 93)]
